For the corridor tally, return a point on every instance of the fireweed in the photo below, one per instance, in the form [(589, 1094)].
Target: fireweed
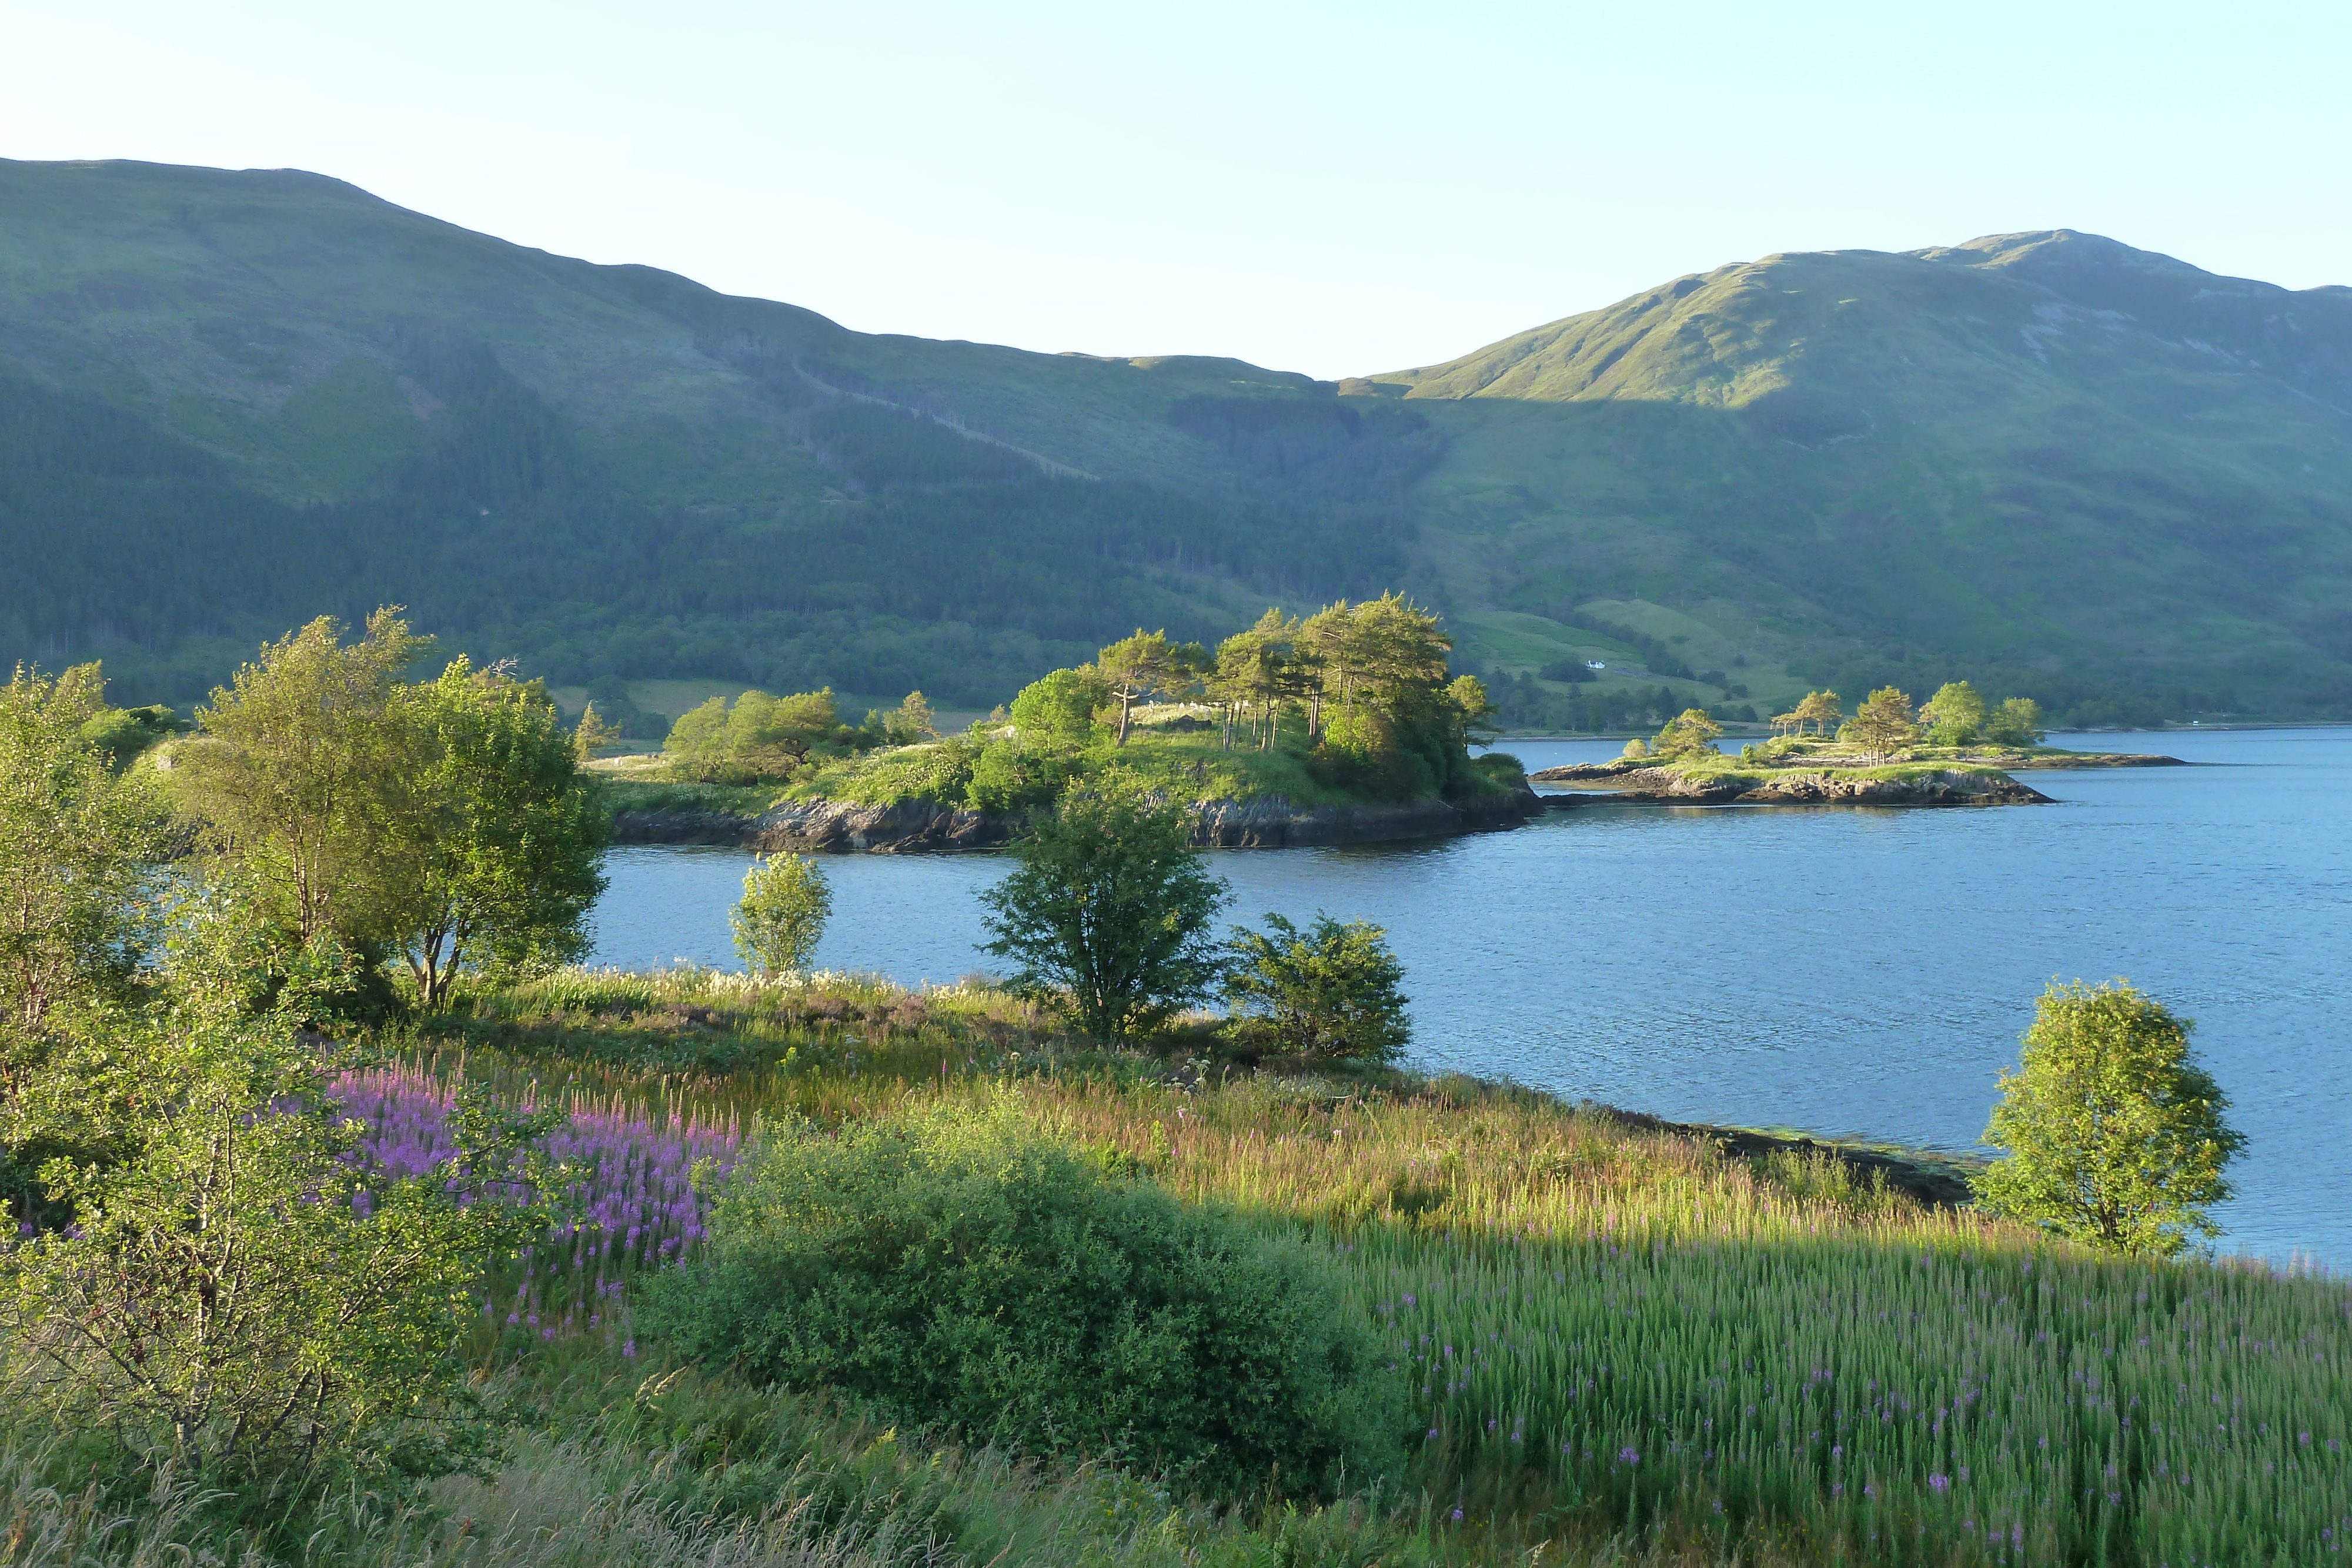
[(633, 1207)]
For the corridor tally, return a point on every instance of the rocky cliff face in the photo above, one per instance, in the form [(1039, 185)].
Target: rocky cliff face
[(917, 825)]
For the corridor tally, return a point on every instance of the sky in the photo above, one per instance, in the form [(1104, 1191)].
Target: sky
[(1338, 189)]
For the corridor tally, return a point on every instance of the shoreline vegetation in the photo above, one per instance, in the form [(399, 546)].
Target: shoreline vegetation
[(1953, 752), (1347, 725)]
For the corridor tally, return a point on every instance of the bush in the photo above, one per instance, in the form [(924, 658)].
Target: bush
[(1333, 991), (1011, 776), (782, 914), (955, 1268), (1109, 912), (239, 1293)]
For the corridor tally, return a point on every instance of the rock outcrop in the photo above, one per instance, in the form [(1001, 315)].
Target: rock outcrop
[(922, 826), (1632, 780)]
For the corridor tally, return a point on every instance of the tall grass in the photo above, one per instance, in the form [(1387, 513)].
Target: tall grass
[(1617, 1334)]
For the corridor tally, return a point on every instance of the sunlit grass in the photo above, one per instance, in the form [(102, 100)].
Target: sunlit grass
[(1611, 1331)]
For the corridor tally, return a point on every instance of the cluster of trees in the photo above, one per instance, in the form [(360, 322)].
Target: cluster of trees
[(760, 737), (1363, 689), (1886, 721), (1111, 912), (445, 826), (1110, 918), (447, 822), (205, 1269)]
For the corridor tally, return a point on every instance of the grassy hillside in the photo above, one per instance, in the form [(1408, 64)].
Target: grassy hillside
[(2061, 463), (230, 400), (2060, 466)]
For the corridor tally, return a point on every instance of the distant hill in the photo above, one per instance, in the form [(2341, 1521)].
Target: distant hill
[(2045, 455), (229, 400)]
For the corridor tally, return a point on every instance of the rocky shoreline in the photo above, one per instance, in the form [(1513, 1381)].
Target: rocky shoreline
[(916, 826), (1632, 780), (1936, 1182)]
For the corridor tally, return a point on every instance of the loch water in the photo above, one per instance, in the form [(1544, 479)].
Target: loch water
[(1848, 971)]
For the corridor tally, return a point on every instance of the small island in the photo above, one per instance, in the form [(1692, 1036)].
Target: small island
[(1956, 751), (1344, 727)]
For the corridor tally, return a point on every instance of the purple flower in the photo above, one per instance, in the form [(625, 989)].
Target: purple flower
[(1627, 1456), (1938, 1482), (629, 1349), (1457, 1516)]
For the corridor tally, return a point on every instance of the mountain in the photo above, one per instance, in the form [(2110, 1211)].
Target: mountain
[(229, 400), (2047, 456), (232, 401)]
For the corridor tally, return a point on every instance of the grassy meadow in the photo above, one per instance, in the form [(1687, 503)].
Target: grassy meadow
[(1617, 1343)]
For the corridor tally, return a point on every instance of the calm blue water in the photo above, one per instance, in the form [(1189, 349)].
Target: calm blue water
[(1848, 971)]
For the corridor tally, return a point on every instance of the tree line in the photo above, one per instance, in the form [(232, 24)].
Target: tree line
[(1886, 722)]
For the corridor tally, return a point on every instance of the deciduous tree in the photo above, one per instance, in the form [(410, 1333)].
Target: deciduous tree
[(2017, 722), (1955, 716), (1059, 708), (781, 918), (301, 773), (78, 848), (1110, 911), (2114, 1135), (496, 865)]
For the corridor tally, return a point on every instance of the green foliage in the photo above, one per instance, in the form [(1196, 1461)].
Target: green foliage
[(1883, 725), (781, 918), (910, 722), (1060, 707), (760, 738), (234, 1293), (1109, 912), (1334, 990), (496, 859), (78, 843), (2115, 1137), (954, 1268), (1500, 767), (125, 734), (1689, 734), (1017, 774), (2017, 722), (301, 776), (1955, 716)]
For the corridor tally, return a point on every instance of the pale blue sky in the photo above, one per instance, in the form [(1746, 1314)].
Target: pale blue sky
[(1333, 188)]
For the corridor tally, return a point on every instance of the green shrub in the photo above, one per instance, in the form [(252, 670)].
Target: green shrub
[(1017, 776), (1334, 990), (955, 1268), (1500, 767)]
